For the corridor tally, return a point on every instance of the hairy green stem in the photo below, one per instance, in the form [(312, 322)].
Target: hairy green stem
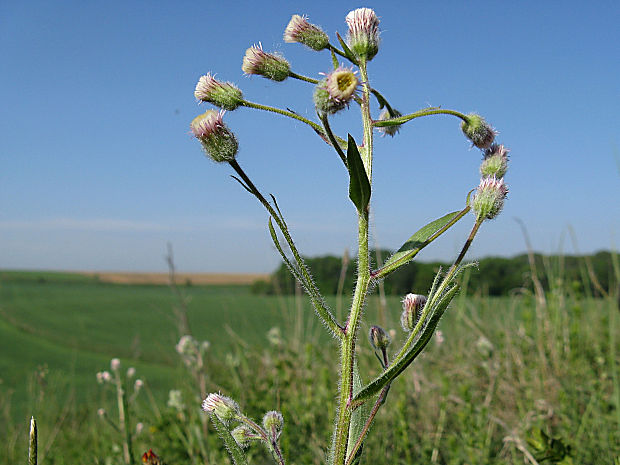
[(279, 111), (319, 306), (274, 448), (303, 78), (123, 419), (418, 114), (347, 355)]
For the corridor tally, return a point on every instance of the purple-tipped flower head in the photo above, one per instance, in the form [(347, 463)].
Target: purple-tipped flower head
[(269, 65), (222, 94), (224, 407), (363, 34), (478, 131), (412, 311), (379, 339), (335, 92), (489, 198), (389, 130), (273, 422), (115, 364), (218, 142), (301, 31), (495, 162)]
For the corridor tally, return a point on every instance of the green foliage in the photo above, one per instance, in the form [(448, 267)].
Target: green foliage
[(495, 276)]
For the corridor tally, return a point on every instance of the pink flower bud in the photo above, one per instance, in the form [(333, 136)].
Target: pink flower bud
[(269, 65), (301, 31), (363, 34), (223, 94)]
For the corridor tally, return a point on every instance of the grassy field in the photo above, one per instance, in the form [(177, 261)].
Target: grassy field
[(508, 368)]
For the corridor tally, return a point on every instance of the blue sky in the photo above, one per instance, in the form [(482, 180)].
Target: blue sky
[(98, 172)]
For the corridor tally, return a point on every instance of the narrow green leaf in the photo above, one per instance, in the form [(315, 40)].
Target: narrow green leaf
[(419, 239), (334, 59), (359, 415), (359, 186), (393, 371), (235, 452), (294, 271), (242, 184), (346, 49)]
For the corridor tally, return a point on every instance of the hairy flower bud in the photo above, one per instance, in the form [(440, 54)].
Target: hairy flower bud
[(489, 198), (244, 436), (335, 92), (379, 339), (389, 130), (224, 407), (273, 422), (495, 162), (268, 65), (363, 37), (478, 131), (131, 371), (218, 142), (301, 31), (115, 364), (412, 311), (223, 94)]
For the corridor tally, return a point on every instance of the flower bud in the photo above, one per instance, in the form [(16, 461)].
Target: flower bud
[(115, 364), (273, 422), (175, 400), (301, 31), (478, 131), (389, 130), (139, 427), (412, 311), (101, 412), (223, 94), (439, 338), (489, 198), (268, 65), (335, 92), (131, 371), (363, 37), (224, 407), (244, 436), (495, 162), (379, 339), (218, 142), (138, 385)]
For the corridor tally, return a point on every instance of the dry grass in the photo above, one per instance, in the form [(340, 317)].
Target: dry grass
[(181, 278)]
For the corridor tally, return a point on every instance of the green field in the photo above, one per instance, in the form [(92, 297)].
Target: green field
[(553, 367)]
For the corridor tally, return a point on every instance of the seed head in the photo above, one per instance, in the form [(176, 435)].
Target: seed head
[(363, 34), (269, 65), (478, 131), (412, 311), (335, 92), (301, 31), (222, 94), (218, 142), (389, 130), (495, 162), (224, 407), (489, 197), (379, 339)]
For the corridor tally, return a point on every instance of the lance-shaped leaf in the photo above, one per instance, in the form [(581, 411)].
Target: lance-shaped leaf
[(359, 415), (359, 186), (235, 452), (420, 239), (347, 50), (400, 365)]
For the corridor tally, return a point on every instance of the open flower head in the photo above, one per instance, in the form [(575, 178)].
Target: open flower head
[(335, 92), (495, 162), (488, 200), (269, 65), (222, 94), (363, 34), (478, 131), (218, 142), (301, 31)]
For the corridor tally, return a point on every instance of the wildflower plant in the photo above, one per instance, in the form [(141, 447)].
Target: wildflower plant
[(346, 86)]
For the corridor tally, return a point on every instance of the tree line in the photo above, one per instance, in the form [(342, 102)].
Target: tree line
[(585, 275)]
